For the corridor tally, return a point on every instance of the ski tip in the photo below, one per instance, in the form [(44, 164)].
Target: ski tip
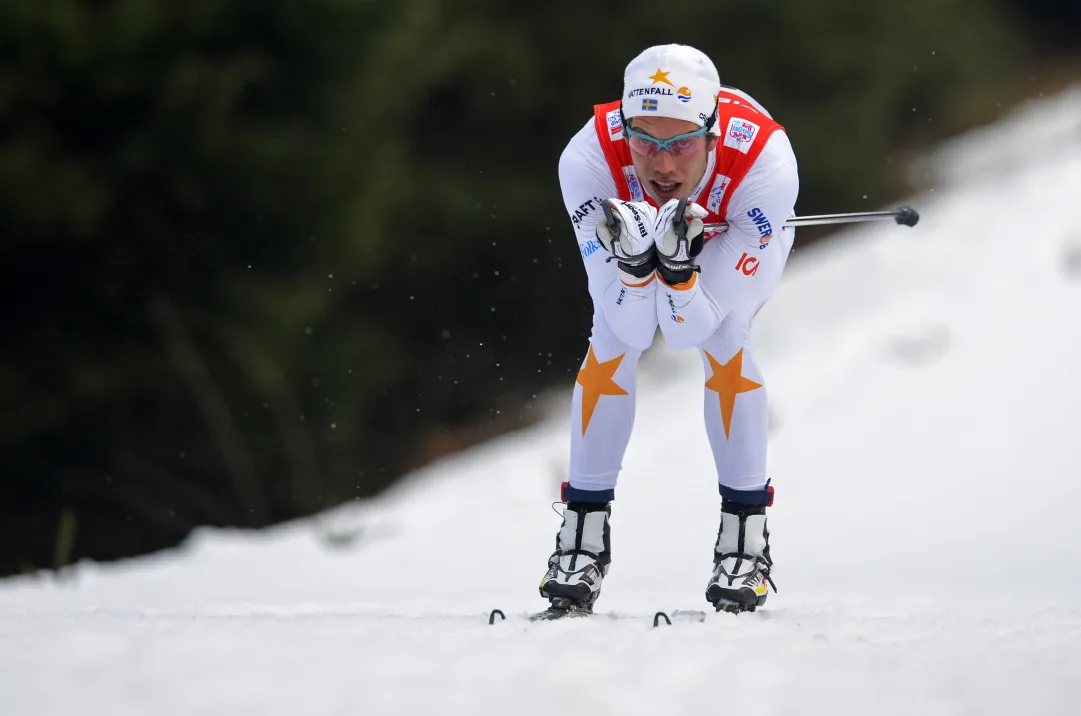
[(907, 216), (491, 617), (679, 615)]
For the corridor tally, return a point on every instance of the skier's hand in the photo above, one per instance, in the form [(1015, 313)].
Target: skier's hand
[(664, 230), (630, 241)]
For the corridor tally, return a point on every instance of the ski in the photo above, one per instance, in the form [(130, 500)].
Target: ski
[(553, 613), (574, 611), (561, 609)]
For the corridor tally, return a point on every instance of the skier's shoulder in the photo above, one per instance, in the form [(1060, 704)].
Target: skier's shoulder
[(777, 154), (583, 150), (771, 181), (776, 160), (583, 168), (735, 96), (583, 145)]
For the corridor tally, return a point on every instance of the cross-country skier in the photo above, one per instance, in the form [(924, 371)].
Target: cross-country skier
[(675, 133)]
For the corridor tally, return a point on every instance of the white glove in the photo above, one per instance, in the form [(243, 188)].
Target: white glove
[(631, 242), (675, 249)]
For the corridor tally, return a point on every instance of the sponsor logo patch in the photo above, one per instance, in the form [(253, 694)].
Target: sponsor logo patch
[(740, 134), (661, 76), (716, 194), (683, 94), (643, 91), (615, 125), (590, 247), (642, 230), (633, 184), (584, 210), (676, 318), (765, 230), (747, 264)]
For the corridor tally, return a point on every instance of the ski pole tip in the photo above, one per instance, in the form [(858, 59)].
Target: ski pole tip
[(907, 216)]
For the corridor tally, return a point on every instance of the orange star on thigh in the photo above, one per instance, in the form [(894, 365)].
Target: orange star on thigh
[(728, 382), (596, 380)]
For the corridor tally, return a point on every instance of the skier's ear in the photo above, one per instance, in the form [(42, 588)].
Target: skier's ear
[(711, 142)]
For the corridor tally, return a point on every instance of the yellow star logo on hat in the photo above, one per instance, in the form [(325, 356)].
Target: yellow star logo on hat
[(661, 76)]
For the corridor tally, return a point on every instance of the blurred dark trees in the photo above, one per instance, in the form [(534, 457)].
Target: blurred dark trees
[(1050, 24), (261, 257)]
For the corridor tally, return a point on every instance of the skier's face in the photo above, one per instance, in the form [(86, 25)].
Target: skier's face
[(669, 175)]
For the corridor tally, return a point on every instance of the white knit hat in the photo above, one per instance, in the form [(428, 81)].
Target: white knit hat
[(674, 81)]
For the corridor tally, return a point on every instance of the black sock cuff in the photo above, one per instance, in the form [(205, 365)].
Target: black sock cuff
[(762, 497), (597, 498)]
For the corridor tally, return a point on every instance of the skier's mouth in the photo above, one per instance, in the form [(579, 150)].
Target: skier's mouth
[(666, 189)]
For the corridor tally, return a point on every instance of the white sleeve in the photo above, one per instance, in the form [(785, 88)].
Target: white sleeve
[(741, 266), (766, 197), (586, 182)]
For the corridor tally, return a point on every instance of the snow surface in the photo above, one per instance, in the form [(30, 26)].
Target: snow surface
[(925, 390)]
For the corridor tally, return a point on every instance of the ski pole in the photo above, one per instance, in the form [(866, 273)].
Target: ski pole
[(904, 215)]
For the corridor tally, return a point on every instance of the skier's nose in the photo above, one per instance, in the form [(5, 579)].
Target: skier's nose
[(664, 162)]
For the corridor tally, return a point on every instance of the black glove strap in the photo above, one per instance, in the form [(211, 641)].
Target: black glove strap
[(643, 264), (674, 272)]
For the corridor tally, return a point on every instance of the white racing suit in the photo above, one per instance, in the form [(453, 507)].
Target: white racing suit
[(751, 182)]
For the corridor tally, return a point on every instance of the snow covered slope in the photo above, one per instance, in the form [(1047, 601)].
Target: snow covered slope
[(926, 458)]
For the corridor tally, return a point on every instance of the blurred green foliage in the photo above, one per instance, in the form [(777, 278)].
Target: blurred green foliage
[(263, 256)]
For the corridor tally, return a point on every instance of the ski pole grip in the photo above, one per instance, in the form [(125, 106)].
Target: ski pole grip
[(679, 221), (610, 219)]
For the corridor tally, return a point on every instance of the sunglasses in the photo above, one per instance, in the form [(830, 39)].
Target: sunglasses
[(679, 144)]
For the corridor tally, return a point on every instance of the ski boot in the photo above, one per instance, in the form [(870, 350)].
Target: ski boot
[(580, 561), (741, 556)]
